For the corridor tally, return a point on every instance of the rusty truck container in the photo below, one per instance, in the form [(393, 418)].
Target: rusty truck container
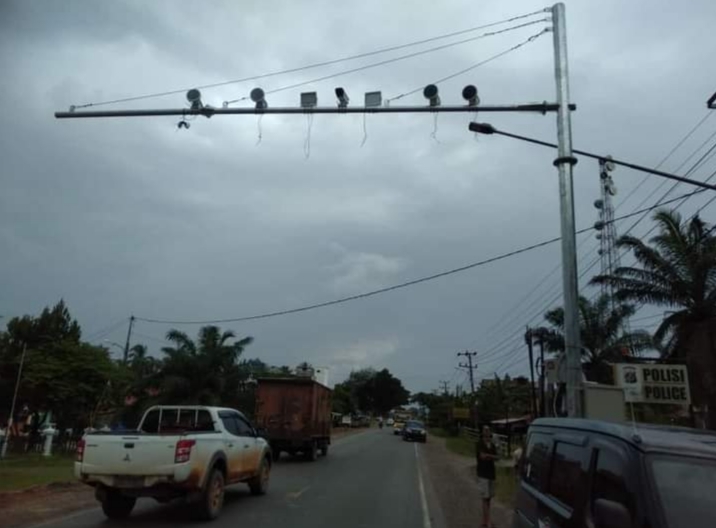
[(294, 415)]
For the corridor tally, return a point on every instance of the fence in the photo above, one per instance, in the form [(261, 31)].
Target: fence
[(502, 442), (64, 443)]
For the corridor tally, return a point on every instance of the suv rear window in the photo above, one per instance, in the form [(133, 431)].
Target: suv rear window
[(686, 489), (536, 464)]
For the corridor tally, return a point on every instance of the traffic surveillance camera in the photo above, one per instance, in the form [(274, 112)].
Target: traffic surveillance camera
[(342, 97), (194, 98), (469, 93), (257, 96), (431, 94)]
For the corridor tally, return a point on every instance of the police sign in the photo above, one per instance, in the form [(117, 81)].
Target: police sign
[(654, 383)]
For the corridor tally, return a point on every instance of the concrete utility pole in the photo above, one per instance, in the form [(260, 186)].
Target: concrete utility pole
[(470, 368), (129, 337), (446, 387), (564, 163), (528, 340)]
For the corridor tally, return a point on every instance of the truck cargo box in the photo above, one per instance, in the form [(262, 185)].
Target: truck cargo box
[(294, 415)]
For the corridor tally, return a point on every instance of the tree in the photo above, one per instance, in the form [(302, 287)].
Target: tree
[(61, 375), (203, 372), (676, 269), (602, 337), (370, 391)]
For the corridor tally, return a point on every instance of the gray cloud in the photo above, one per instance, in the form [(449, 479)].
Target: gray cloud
[(133, 216)]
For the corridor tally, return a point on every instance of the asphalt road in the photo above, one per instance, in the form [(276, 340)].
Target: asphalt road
[(369, 480)]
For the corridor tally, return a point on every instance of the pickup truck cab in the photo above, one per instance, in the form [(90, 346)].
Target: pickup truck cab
[(189, 452)]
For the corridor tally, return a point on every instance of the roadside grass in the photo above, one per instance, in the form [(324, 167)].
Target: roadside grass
[(506, 484), (20, 472)]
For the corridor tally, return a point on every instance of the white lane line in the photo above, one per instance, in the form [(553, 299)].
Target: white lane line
[(423, 500)]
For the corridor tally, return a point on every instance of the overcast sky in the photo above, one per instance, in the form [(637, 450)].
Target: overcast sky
[(132, 216)]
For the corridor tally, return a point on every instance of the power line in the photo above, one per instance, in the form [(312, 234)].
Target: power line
[(381, 290), (476, 65), (400, 58), (314, 65), (93, 336)]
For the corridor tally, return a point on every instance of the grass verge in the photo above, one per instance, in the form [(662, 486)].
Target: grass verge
[(20, 472)]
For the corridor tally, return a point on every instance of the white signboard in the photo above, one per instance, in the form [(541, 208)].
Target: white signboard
[(653, 383)]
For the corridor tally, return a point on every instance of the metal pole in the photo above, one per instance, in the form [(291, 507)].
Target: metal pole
[(206, 111), (14, 401), (129, 336), (564, 163), (542, 402), (528, 339)]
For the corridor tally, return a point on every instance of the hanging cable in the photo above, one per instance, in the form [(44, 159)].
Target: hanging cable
[(314, 65), (390, 61), (474, 66)]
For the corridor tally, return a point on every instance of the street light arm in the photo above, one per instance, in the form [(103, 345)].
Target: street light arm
[(488, 129)]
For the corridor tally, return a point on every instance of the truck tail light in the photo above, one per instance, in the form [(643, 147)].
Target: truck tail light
[(183, 451), (80, 450)]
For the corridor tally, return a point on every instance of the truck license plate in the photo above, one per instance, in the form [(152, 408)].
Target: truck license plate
[(129, 482)]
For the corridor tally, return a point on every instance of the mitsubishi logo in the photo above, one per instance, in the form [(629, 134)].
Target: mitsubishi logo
[(126, 458)]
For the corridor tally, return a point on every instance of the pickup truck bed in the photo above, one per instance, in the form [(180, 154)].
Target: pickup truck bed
[(177, 451)]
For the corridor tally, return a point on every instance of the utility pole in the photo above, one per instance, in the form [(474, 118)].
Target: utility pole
[(542, 402), (129, 336), (445, 386), (14, 401), (564, 163), (470, 368), (528, 339)]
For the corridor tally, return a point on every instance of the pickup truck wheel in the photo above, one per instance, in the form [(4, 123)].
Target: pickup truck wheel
[(212, 498), (117, 506), (259, 484)]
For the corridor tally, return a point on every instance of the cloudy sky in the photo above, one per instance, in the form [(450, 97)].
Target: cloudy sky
[(133, 216)]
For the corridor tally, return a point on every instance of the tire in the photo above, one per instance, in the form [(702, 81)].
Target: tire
[(212, 497), (259, 484), (324, 450), (312, 452), (118, 506), (275, 455)]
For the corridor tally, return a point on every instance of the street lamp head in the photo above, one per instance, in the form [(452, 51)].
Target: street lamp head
[(482, 128)]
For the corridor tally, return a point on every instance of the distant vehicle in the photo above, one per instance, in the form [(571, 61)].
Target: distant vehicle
[(347, 420), (399, 419), (389, 422), (415, 430), (294, 415), (190, 452), (589, 473)]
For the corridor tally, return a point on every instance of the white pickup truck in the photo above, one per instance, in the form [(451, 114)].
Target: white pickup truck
[(191, 452)]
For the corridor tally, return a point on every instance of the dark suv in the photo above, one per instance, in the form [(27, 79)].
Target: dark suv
[(588, 473)]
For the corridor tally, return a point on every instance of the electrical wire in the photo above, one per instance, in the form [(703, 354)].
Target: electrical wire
[(314, 65), (381, 290), (392, 60), (474, 66), (99, 334)]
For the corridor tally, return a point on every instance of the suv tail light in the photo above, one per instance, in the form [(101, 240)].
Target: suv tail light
[(80, 450), (183, 451)]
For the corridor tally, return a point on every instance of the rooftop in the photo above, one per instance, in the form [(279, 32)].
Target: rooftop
[(646, 437)]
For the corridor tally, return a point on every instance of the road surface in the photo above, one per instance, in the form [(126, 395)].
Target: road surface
[(369, 480)]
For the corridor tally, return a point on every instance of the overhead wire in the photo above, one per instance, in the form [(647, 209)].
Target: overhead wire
[(396, 59), (316, 64)]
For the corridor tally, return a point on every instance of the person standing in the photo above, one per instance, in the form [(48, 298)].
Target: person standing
[(486, 452)]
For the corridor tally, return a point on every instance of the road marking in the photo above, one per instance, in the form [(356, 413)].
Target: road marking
[(297, 494), (423, 500)]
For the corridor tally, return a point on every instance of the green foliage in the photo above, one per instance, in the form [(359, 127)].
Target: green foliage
[(601, 332), (676, 269), (502, 398), (369, 391)]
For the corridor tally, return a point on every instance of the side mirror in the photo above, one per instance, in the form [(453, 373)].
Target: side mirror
[(610, 514)]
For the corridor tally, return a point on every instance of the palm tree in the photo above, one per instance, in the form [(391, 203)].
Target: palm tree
[(602, 337), (676, 269), (205, 371)]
